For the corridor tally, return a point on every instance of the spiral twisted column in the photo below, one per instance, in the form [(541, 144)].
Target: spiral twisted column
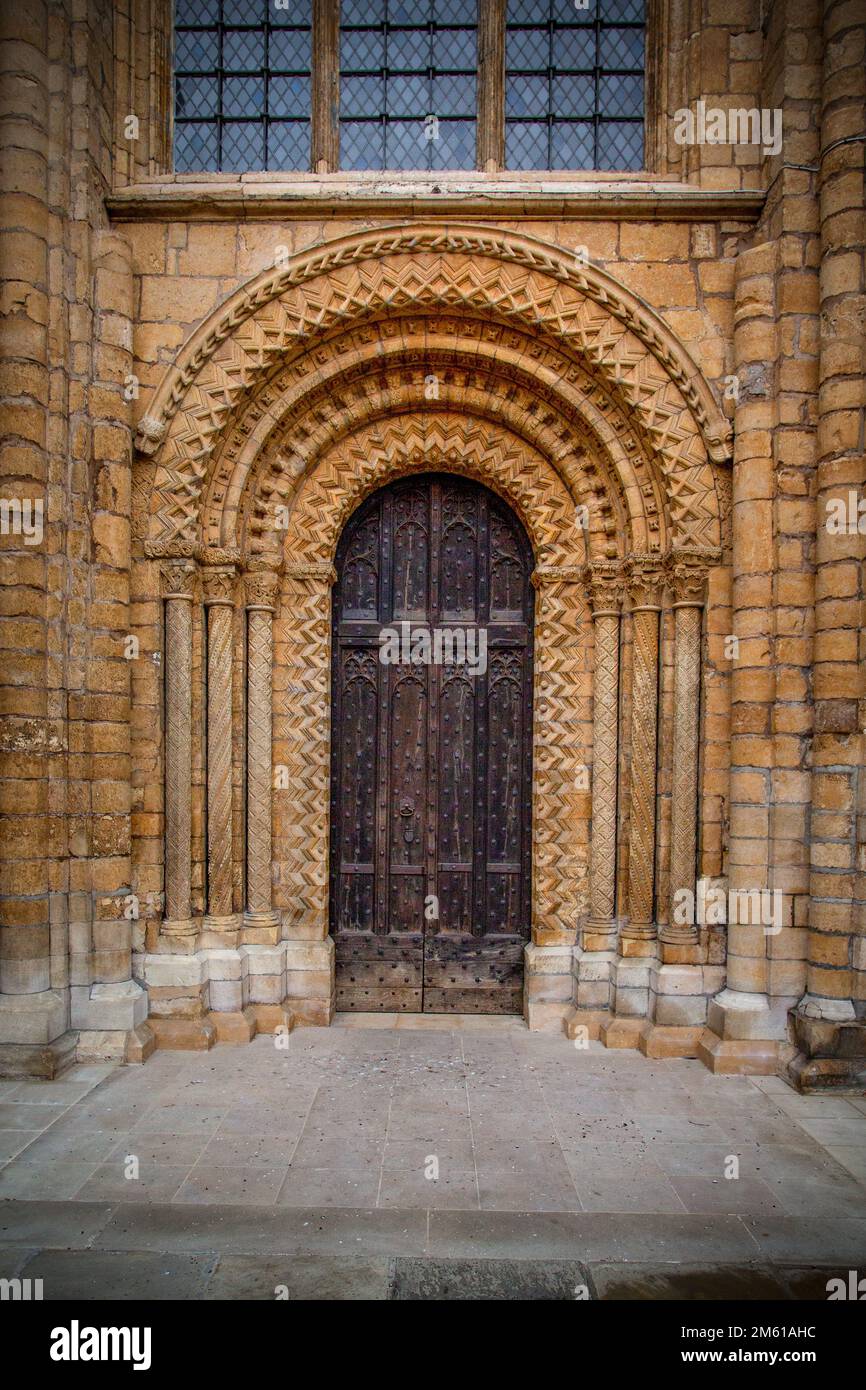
[(219, 585), (178, 586), (605, 587), (259, 917), (645, 582), (687, 580)]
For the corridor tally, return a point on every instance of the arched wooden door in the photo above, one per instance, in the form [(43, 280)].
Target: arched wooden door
[(431, 757)]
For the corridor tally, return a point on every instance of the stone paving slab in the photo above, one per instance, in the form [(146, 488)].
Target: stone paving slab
[(322, 1151)]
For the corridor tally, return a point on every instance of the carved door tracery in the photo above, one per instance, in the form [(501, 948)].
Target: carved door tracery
[(431, 763)]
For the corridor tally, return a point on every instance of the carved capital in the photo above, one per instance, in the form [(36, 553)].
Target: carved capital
[(644, 577), (605, 585), (318, 574), (218, 582), (178, 578), (686, 573), (261, 589), (554, 574)]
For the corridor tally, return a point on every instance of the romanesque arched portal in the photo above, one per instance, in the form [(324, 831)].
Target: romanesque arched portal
[(424, 348)]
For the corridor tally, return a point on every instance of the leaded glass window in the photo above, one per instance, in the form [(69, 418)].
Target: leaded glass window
[(242, 85), (408, 84), (574, 84)]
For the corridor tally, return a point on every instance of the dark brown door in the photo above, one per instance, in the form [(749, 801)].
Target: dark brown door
[(432, 750)]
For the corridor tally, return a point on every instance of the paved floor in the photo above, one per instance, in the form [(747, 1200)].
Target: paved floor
[(431, 1137)]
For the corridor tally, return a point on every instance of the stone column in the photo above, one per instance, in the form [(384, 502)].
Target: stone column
[(604, 583), (830, 1019), (178, 578), (645, 584), (687, 579), (219, 583), (261, 922)]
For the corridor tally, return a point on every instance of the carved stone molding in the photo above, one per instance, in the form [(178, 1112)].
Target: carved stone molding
[(178, 580), (325, 499), (468, 246), (605, 586), (507, 279), (261, 923), (645, 581), (219, 583), (687, 576)]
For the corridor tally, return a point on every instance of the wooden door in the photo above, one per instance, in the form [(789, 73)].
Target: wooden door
[(431, 758)]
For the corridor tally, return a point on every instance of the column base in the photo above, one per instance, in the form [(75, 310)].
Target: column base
[(831, 1043), (662, 1040), (219, 932), (261, 928), (592, 1020), (601, 935), (132, 1045), (181, 931), (183, 1034), (271, 1017), (44, 1061), (738, 1057), (548, 985), (233, 1026), (310, 988), (622, 1032)]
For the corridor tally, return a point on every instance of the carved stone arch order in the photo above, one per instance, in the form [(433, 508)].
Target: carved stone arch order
[(347, 474), (289, 424), (514, 277)]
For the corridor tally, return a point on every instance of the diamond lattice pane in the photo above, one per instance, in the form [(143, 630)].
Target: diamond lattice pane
[(289, 96), (361, 96), (290, 51), (455, 148), (196, 52), (243, 96), (195, 147), (573, 96), (408, 96), (527, 50), (620, 145), (572, 145), (621, 48), (243, 146), (362, 51), (453, 95), (362, 145), (196, 96), (289, 145), (620, 95), (243, 52), (526, 145), (196, 12)]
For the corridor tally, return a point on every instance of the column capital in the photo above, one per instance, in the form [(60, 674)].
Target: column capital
[(261, 588), (686, 574), (605, 585), (644, 578), (313, 573), (218, 583), (554, 574), (178, 578)]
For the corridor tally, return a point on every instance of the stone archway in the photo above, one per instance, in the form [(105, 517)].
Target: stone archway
[(455, 349)]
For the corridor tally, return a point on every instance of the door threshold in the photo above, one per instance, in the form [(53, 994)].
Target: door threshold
[(442, 1023)]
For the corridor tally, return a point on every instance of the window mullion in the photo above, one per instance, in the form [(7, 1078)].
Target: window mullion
[(490, 139), (325, 132)]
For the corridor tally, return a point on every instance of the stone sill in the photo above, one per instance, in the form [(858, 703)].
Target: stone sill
[(254, 197)]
